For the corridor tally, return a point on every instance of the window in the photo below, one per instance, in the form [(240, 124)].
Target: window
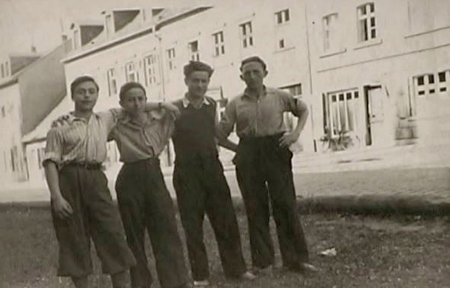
[(340, 111), (366, 22), (281, 44), (430, 84), (219, 46), (193, 51), (6, 68), (3, 71), (288, 117), (112, 82), (3, 112), (282, 16), (329, 24), (246, 34), (131, 74), (170, 58), (295, 90), (109, 25), (151, 68), (76, 39)]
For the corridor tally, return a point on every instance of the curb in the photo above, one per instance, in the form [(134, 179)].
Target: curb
[(350, 204)]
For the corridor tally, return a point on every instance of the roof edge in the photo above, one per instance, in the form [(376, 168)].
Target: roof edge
[(136, 34)]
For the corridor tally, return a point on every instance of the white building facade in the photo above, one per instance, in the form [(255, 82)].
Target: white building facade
[(376, 69), (381, 69), (155, 44)]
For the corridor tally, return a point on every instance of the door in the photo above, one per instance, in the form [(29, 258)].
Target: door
[(377, 134)]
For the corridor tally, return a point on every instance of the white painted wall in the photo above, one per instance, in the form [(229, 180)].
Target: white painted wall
[(11, 137), (286, 66), (407, 46)]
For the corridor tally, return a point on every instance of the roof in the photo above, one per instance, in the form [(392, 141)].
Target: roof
[(15, 76), (132, 30), (40, 132)]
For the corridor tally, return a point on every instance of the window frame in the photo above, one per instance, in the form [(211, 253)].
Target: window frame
[(330, 32), (171, 55), (335, 97), (365, 14), (219, 43), (131, 72), (151, 69), (246, 33), (194, 55), (282, 16), (112, 81)]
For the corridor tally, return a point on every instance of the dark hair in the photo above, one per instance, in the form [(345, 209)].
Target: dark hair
[(128, 86), (193, 66), (253, 59), (80, 80)]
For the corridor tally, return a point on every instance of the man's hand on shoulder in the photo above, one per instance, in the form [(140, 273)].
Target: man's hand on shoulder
[(60, 121), (171, 109)]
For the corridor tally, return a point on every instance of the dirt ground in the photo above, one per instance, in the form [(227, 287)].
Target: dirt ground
[(372, 252)]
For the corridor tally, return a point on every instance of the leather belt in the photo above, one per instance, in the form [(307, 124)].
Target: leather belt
[(87, 165)]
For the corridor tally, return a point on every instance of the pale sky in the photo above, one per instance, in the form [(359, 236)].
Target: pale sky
[(24, 23)]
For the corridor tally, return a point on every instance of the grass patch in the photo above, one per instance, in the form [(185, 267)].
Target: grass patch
[(397, 251)]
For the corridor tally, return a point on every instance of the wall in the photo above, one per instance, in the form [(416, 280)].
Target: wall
[(286, 66), (403, 49), (11, 170)]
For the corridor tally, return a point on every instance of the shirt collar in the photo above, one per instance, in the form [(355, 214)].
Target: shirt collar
[(186, 101), (152, 115), (247, 94), (72, 118)]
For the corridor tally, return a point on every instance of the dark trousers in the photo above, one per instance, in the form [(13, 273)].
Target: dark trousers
[(202, 189), (144, 202), (264, 171), (94, 215)]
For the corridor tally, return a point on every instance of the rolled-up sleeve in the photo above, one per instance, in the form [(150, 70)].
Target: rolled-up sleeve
[(228, 120), (110, 117), (290, 104), (167, 124), (53, 149)]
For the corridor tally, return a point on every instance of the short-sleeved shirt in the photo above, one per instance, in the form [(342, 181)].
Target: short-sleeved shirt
[(80, 140), (140, 141), (261, 116)]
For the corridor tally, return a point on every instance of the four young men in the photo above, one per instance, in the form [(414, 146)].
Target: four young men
[(82, 205)]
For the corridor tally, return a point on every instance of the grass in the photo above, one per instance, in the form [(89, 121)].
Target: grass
[(399, 251)]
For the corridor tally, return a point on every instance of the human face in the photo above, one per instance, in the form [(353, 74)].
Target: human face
[(197, 83), (134, 101), (253, 75), (85, 96)]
